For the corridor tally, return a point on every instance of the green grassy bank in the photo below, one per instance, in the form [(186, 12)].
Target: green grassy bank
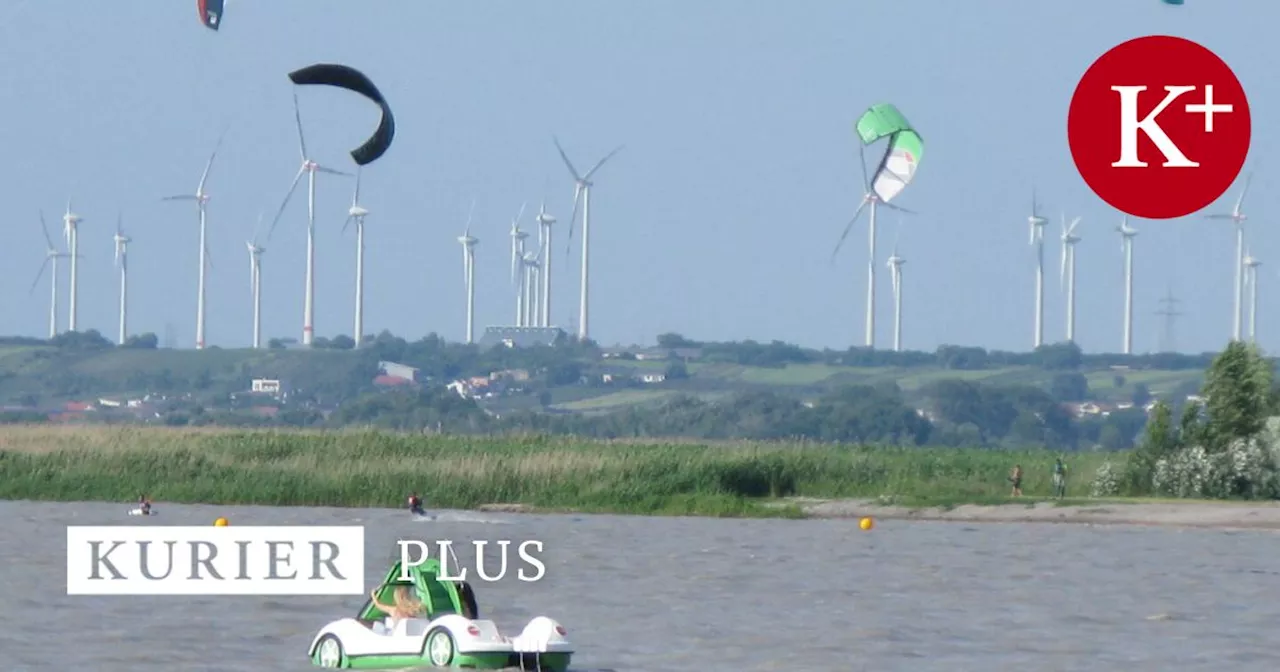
[(358, 469)]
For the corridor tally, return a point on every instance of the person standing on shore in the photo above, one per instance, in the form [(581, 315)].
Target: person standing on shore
[(1015, 477), (1059, 479)]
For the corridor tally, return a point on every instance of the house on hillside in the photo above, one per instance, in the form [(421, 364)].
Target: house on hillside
[(520, 337), (397, 370), (269, 387), (653, 377)]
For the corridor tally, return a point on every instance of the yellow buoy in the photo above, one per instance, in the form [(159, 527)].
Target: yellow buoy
[(866, 523), (221, 522)]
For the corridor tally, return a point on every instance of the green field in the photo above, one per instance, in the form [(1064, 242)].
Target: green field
[(371, 469)]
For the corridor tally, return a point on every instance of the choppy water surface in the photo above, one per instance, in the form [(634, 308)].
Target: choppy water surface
[(693, 594)]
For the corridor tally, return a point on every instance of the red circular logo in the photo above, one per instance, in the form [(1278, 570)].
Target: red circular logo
[(1159, 127)]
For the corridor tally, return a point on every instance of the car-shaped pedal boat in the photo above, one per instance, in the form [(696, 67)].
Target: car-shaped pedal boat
[(449, 633)]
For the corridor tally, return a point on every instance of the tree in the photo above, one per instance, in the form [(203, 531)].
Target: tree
[(1069, 387), (147, 341), (674, 340), (1237, 395), (676, 370), (1060, 356), (1158, 442), (1141, 394)]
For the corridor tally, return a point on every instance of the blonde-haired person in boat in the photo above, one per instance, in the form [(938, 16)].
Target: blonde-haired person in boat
[(404, 606)]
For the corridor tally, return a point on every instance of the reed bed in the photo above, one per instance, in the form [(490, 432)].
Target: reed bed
[(369, 468)]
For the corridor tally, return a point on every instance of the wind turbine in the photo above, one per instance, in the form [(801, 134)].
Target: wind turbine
[(582, 189), (357, 214), (517, 265), (70, 230), (310, 168), (469, 272), (1238, 218), (895, 273), (1068, 273), (871, 202), (1251, 264), (122, 262), (202, 201), (545, 221), (1126, 245), (255, 282), (531, 292), (1037, 224), (51, 257)]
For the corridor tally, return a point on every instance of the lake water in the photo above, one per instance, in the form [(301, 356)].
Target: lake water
[(685, 594)]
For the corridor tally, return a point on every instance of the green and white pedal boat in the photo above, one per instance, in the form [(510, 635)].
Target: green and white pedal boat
[(450, 634)]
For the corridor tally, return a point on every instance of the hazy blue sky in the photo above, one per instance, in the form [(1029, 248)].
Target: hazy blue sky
[(717, 220)]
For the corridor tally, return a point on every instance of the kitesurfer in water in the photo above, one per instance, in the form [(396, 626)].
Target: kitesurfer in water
[(415, 505), (144, 505)]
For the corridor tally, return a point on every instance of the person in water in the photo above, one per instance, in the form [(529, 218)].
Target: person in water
[(144, 505), (415, 504), (1059, 479), (1015, 477), (404, 604)]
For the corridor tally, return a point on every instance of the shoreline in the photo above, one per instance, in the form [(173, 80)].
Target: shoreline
[(1162, 513)]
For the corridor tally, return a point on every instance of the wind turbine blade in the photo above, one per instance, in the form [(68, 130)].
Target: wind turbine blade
[(39, 274), (1218, 217), (208, 257), (573, 217), (204, 177), (297, 117), (322, 169), (1240, 201), (1062, 271), (292, 188), (465, 262), (346, 224), (1035, 209), (565, 157), (44, 228), (601, 162), (513, 259), (467, 231), (184, 197), (847, 228), (898, 208), (355, 198), (1072, 229), (520, 215)]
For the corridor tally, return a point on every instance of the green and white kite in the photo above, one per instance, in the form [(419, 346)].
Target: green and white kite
[(894, 171)]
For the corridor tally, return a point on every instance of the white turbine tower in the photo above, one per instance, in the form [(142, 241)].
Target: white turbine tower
[(582, 190), (1127, 234), (531, 288), (469, 243), (1251, 264), (545, 222), (70, 230), (310, 168), (51, 257), (517, 265), (1238, 218), (1068, 272), (255, 282), (1037, 224), (122, 262), (357, 214), (202, 201), (871, 202), (895, 273)]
